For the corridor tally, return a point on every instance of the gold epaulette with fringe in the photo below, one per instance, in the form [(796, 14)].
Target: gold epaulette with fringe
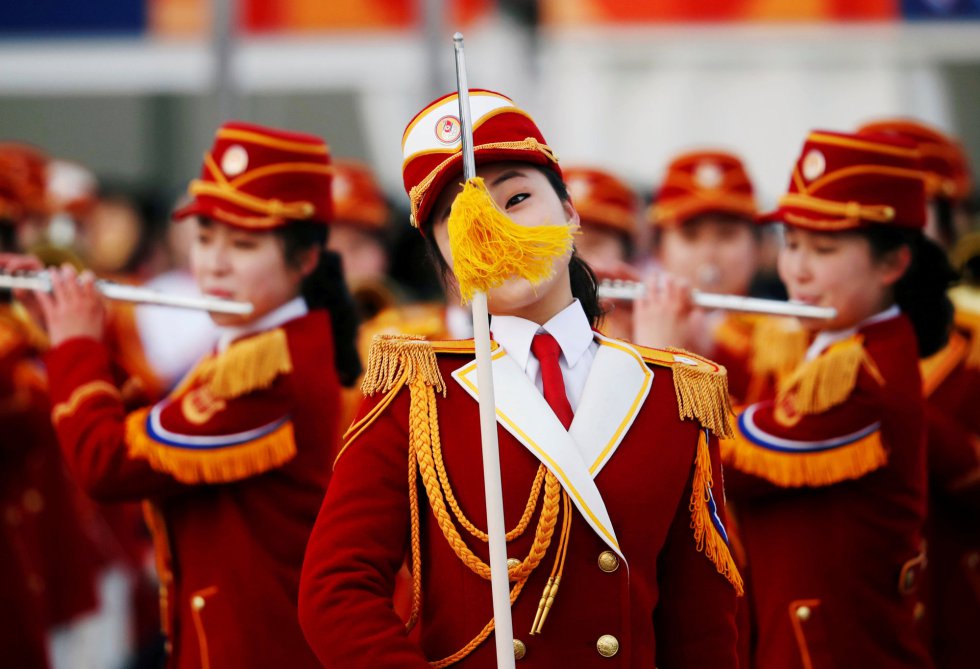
[(701, 387), (828, 380), (248, 365), (938, 366)]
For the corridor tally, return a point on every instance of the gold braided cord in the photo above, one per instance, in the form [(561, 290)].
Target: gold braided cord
[(558, 568), (296, 210), (482, 636), (532, 500), (416, 538), (425, 442), (848, 210)]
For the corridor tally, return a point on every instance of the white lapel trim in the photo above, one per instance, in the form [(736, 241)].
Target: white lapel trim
[(523, 412), (618, 384)]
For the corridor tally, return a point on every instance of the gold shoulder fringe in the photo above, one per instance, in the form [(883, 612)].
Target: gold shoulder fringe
[(217, 465), (816, 469), (397, 359), (778, 347), (828, 380), (702, 391), (707, 538), (248, 365), (937, 367)]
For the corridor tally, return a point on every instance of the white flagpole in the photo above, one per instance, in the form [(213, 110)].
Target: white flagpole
[(499, 581)]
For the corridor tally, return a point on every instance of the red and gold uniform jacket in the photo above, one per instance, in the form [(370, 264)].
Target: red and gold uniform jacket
[(830, 483), (951, 383), (49, 554), (758, 351), (233, 465), (624, 511)]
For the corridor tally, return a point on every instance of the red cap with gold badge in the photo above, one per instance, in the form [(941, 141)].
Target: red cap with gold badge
[(943, 158), (602, 199), (23, 182), (703, 182), (432, 148), (846, 181), (261, 178), (357, 200)]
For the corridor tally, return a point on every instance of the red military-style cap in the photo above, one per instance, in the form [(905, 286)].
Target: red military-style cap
[(846, 181), (943, 158), (432, 148), (703, 182), (261, 178), (357, 199), (23, 182), (602, 199)]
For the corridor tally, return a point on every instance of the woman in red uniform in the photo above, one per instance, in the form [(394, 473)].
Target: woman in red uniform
[(611, 488), (951, 385), (234, 463), (830, 475)]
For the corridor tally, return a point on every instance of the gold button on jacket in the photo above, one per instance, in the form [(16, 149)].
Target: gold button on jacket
[(520, 650), (607, 645), (608, 561), (803, 612)]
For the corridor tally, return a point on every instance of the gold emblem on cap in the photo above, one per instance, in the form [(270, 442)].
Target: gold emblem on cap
[(814, 164), (448, 129), (235, 160), (708, 175)]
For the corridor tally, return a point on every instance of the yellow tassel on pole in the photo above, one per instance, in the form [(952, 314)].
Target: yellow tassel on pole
[(488, 248)]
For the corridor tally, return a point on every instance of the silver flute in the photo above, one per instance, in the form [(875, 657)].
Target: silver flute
[(618, 289), (41, 282)]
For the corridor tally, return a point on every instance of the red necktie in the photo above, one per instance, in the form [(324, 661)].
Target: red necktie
[(546, 349)]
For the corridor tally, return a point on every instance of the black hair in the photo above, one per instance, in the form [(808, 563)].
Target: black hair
[(325, 288), (584, 285), (921, 292), (945, 226)]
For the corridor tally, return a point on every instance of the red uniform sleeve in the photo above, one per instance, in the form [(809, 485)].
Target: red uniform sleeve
[(695, 616), (358, 544), (775, 447), (89, 417)]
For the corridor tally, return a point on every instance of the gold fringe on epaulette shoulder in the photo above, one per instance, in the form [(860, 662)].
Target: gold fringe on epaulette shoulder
[(215, 465), (826, 381), (397, 359), (702, 393), (778, 347), (248, 365), (707, 538)]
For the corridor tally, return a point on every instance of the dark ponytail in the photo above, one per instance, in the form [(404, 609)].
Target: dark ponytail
[(921, 292), (325, 288)]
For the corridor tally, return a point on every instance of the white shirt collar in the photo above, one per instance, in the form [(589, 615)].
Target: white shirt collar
[(291, 310), (825, 339), (570, 327)]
